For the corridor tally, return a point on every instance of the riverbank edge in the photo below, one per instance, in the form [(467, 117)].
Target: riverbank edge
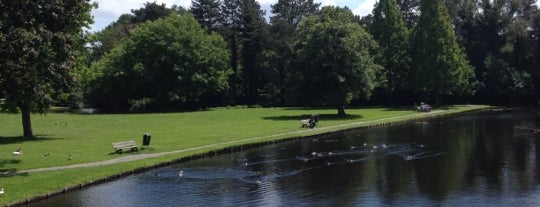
[(240, 145)]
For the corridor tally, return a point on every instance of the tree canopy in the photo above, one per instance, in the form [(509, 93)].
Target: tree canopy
[(390, 31), (37, 50), (334, 61), (166, 63), (440, 66)]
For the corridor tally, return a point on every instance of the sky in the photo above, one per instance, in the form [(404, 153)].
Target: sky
[(108, 11)]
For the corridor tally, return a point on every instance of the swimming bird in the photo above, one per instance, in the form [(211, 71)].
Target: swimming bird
[(365, 144), (181, 173), (384, 146)]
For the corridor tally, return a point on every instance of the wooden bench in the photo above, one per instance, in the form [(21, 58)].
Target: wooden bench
[(304, 123), (120, 147)]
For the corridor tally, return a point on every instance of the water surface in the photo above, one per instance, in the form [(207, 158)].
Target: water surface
[(480, 159)]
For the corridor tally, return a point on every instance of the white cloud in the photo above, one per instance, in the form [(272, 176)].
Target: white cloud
[(328, 3), (364, 8)]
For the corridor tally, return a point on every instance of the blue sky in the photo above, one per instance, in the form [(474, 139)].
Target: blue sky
[(110, 10)]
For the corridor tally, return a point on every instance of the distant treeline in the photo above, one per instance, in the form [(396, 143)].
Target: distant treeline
[(224, 52)]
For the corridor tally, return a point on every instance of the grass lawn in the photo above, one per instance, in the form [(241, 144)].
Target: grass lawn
[(88, 138)]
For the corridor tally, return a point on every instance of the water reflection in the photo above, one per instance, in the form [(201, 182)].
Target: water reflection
[(485, 159)]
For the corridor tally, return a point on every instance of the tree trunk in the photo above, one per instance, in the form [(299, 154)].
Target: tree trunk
[(27, 123), (341, 110)]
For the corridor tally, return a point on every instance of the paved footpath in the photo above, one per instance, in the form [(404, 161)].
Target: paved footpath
[(129, 158)]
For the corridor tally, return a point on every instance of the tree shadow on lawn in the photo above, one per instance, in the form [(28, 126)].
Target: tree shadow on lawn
[(322, 117), (12, 171), (411, 108), (21, 139), (382, 108)]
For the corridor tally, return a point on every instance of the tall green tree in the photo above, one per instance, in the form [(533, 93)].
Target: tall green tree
[(440, 66), (284, 22), (389, 30), (333, 57), (37, 52), (535, 34), (502, 50), (293, 11), (410, 10), (207, 12), (170, 63), (230, 29), (150, 12), (254, 36)]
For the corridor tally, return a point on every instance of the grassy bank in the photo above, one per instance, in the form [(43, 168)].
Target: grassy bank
[(88, 138)]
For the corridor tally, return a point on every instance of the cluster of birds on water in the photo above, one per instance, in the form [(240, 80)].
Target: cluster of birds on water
[(406, 151)]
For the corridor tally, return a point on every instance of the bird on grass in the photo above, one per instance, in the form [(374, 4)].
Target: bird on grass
[(70, 157), (1, 191), (18, 152)]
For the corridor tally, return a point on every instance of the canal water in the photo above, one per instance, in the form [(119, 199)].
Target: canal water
[(479, 159)]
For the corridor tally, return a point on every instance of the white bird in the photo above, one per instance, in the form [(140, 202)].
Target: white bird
[(180, 174), (384, 146), (18, 152), (1, 191)]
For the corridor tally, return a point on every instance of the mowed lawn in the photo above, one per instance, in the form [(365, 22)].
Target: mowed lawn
[(88, 138)]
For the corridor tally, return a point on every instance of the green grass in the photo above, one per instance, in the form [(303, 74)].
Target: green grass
[(88, 138)]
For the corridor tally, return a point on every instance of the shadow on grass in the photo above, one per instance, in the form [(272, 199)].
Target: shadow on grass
[(129, 152), (382, 108), (321, 117), (411, 108), (12, 171), (309, 108), (20, 139)]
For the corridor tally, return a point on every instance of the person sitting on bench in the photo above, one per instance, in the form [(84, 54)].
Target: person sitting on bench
[(313, 121)]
